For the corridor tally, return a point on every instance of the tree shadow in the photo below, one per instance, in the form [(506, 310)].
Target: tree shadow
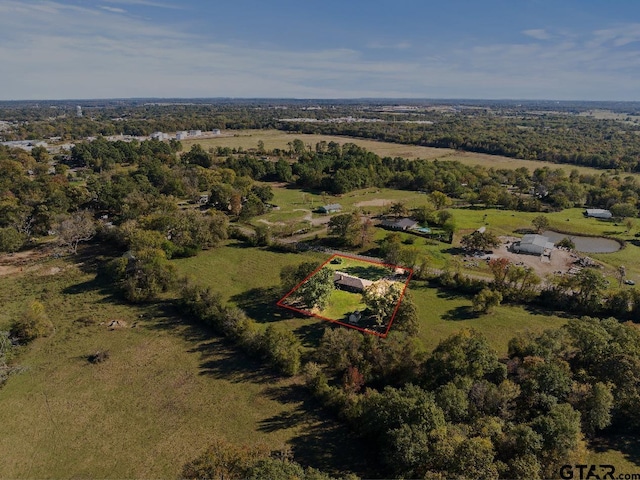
[(450, 295), (373, 272), (99, 285), (221, 361), (311, 334), (321, 443), (239, 244), (464, 312), (539, 310), (260, 304), (628, 445)]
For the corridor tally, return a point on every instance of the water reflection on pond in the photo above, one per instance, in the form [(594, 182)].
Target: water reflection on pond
[(585, 244)]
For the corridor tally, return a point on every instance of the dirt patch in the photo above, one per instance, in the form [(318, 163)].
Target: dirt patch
[(13, 263), (116, 324), (560, 260), (378, 202), (262, 220)]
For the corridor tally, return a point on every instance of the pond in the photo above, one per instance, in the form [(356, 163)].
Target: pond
[(585, 244)]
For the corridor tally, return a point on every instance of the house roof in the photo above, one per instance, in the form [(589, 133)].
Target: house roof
[(537, 240), (598, 211), (332, 206), (347, 280), (402, 223)]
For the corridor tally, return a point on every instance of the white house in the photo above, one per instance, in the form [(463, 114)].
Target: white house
[(597, 213), (158, 135), (533, 244), (182, 135)]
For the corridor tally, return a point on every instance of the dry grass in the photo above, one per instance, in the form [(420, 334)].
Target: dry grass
[(248, 139)]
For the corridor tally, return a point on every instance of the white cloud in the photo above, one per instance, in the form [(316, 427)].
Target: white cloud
[(113, 9), (391, 45), (54, 50), (148, 3), (538, 34)]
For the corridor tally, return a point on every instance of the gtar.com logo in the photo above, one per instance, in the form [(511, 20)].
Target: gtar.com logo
[(587, 472)]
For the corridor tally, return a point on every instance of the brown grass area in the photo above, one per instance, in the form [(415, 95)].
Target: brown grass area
[(248, 139)]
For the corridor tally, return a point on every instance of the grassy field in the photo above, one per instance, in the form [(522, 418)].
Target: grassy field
[(441, 314), (444, 313), (248, 139), (167, 389)]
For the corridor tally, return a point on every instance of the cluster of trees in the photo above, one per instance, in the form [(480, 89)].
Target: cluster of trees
[(585, 292), (225, 460), (552, 137), (336, 168), (279, 347), (463, 411)]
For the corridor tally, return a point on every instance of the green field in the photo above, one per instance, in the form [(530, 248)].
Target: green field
[(167, 389), (443, 313), (341, 304)]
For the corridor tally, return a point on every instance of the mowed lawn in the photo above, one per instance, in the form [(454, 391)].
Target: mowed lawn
[(165, 392)]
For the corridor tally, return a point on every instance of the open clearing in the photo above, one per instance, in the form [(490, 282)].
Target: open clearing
[(345, 302), (166, 390), (248, 139)]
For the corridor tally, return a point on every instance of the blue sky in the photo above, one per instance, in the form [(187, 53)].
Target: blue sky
[(519, 49)]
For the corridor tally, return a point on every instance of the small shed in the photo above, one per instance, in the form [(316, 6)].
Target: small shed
[(355, 317), (597, 213), (533, 244), (331, 208)]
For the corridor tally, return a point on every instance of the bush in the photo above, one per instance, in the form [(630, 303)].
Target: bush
[(98, 357), (32, 323), (11, 240)]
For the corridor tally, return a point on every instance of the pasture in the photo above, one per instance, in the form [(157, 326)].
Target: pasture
[(248, 139), (167, 389)]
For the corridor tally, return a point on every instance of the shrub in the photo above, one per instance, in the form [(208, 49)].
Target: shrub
[(32, 323)]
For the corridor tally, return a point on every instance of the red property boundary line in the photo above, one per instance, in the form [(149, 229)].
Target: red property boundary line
[(280, 303)]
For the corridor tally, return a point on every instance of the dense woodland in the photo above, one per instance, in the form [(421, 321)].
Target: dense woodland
[(460, 410), (548, 131)]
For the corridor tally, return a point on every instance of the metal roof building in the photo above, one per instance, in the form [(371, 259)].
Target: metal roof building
[(534, 244)]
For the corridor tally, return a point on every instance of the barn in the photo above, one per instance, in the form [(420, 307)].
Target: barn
[(533, 244)]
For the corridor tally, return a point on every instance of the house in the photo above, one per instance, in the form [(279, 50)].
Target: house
[(195, 133), (597, 213), (182, 135), (331, 208), (344, 281), (158, 135), (533, 244), (403, 224), (215, 131)]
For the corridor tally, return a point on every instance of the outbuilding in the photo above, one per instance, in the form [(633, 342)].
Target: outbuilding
[(597, 213), (403, 224), (331, 208), (533, 244)]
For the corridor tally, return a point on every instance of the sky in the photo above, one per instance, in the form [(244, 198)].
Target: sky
[(484, 49)]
